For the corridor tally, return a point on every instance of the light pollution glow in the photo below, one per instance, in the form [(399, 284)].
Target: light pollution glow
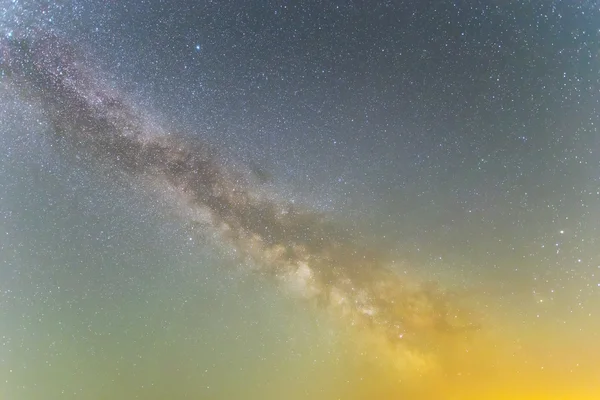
[(426, 341)]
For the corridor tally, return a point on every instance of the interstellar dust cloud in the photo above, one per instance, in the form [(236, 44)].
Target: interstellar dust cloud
[(299, 249)]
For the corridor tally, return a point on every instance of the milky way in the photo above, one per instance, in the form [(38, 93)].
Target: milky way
[(300, 249)]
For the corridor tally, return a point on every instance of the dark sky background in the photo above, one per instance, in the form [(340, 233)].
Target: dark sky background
[(461, 136), (481, 107), (461, 130)]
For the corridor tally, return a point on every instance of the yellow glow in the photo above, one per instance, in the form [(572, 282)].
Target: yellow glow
[(509, 361)]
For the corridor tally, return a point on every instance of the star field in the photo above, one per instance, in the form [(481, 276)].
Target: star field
[(300, 198)]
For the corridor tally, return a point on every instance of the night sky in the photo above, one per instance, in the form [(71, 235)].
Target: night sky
[(299, 200)]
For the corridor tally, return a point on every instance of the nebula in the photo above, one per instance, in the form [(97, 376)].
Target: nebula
[(301, 250)]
